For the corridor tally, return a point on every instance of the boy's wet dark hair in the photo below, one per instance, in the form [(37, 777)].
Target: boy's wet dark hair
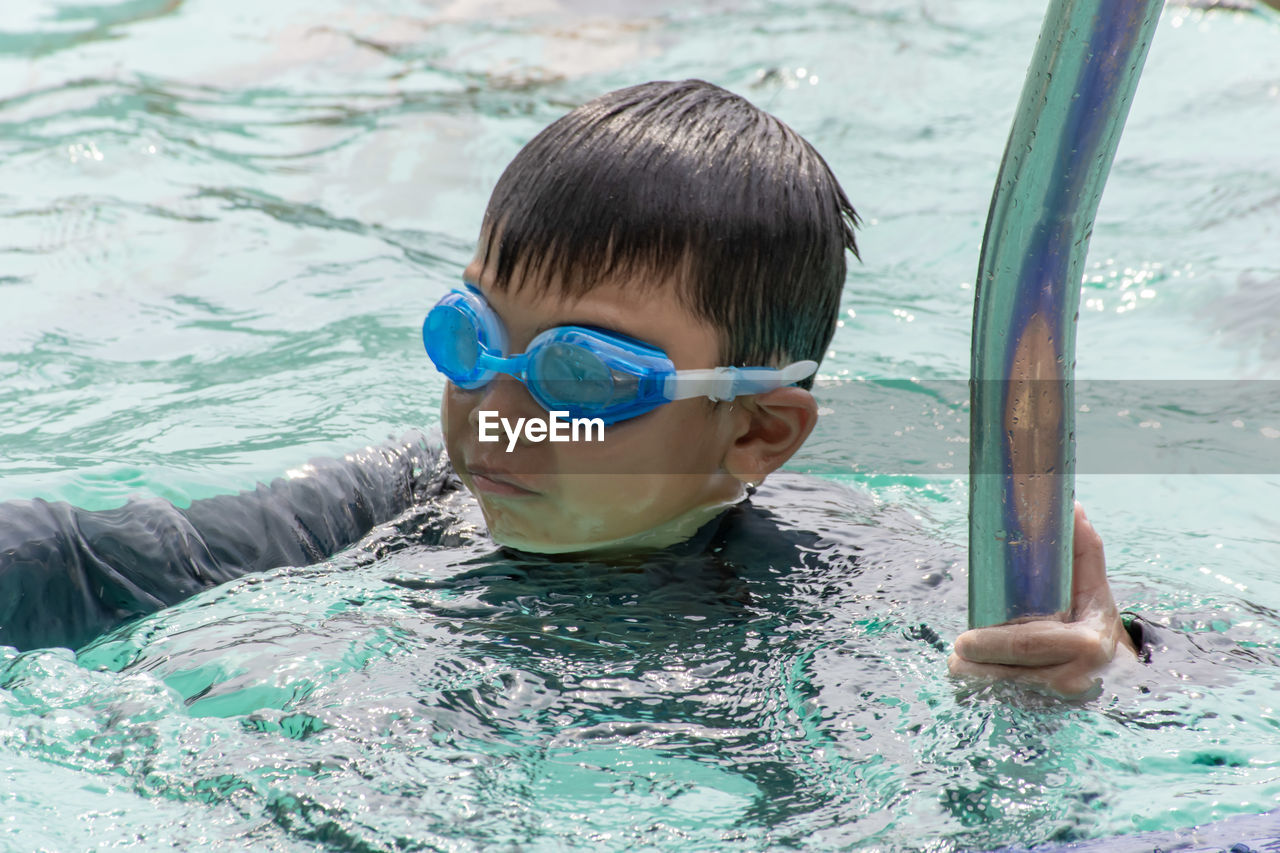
[(686, 179)]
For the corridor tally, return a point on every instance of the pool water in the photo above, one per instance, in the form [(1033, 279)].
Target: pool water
[(220, 226)]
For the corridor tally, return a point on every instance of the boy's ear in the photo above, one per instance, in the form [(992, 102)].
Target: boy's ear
[(774, 425)]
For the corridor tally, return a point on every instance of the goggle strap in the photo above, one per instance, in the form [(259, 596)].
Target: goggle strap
[(726, 383)]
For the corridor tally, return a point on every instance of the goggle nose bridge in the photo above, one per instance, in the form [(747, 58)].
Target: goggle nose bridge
[(512, 365)]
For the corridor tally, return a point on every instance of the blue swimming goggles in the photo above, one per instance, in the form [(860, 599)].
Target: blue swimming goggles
[(590, 373)]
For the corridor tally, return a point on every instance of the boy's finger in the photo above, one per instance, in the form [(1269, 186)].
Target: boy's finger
[(957, 665), (1065, 685), (1030, 644)]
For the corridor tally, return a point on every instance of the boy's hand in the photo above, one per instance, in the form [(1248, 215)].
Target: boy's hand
[(1062, 657)]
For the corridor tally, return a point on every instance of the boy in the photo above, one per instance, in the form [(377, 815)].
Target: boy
[(666, 260)]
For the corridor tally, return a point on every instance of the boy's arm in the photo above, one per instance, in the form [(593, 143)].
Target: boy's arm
[(1066, 658), (68, 575), (318, 509)]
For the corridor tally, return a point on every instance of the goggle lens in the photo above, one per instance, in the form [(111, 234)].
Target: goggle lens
[(453, 343), (571, 375)]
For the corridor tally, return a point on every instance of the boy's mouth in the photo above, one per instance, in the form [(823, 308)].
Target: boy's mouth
[(494, 481)]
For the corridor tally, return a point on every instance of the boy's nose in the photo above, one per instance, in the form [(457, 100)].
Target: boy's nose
[(507, 396)]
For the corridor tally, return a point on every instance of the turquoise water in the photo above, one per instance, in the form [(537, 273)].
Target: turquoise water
[(220, 225)]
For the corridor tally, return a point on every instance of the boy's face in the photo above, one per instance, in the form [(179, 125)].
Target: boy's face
[(652, 481)]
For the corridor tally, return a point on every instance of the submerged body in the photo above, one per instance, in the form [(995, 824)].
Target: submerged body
[(69, 575)]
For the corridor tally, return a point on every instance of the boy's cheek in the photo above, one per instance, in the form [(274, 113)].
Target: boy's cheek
[(454, 414), (454, 423)]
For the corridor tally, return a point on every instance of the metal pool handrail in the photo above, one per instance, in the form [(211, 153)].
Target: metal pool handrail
[(1022, 420)]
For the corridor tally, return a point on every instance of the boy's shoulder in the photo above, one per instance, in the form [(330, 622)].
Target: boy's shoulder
[(807, 521)]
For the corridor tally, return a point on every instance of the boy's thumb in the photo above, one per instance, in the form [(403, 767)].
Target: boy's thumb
[(1089, 565)]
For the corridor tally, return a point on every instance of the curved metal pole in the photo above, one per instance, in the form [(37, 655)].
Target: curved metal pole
[(1022, 419)]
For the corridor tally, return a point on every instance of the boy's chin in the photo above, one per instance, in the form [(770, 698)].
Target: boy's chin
[(603, 542)]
